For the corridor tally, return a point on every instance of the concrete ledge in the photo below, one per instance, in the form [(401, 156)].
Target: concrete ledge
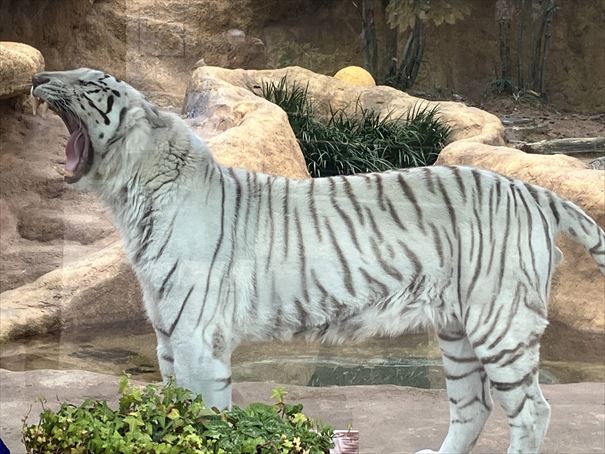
[(390, 419)]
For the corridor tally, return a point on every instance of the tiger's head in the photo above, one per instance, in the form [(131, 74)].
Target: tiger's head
[(98, 111)]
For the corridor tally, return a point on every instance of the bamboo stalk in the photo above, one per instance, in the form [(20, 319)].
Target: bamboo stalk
[(418, 54), (520, 21), (368, 35), (547, 33), (405, 60)]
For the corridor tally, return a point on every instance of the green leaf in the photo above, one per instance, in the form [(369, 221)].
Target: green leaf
[(174, 414)]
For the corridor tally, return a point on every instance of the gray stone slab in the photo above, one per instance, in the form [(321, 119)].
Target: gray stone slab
[(390, 419)]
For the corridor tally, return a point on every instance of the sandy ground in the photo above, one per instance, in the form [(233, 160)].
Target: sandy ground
[(391, 419)]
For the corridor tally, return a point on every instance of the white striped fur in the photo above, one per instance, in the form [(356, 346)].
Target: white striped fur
[(227, 256)]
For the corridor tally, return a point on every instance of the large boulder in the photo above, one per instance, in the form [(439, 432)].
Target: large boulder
[(242, 129), (100, 289), (326, 93), (18, 63)]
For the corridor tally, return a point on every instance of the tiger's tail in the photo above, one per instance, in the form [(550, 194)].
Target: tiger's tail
[(572, 220)]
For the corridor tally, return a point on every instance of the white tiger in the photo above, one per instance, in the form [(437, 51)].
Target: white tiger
[(224, 255)]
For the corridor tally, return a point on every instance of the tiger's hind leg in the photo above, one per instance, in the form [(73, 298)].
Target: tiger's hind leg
[(512, 369), (527, 410), (467, 389)]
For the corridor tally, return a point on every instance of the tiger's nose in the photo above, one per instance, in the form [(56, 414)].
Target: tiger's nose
[(39, 79)]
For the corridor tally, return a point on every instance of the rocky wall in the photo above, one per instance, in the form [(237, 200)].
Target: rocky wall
[(155, 43)]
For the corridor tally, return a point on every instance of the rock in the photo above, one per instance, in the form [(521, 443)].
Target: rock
[(569, 145), (44, 224), (389, 418), (18, 63), (98, 289), (222, 100), (578, 290), (355, 75), (236, 50), (467, 123), (50, 223), (242, 129), (597, 164), (159, 38)]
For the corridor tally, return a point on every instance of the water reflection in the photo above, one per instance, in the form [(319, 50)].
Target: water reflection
[(411, 360)]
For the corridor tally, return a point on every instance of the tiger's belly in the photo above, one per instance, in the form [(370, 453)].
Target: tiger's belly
[(416, 303)]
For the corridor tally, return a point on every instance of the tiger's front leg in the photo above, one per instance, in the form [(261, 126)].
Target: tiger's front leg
[(165, 355), (202, 364)]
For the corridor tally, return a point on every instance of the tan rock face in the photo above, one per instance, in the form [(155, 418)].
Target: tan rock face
[(96, 290), (578, 291), (18, 63), (153, 44), (242, 129), (43, 224), (467, 123), (117, 35), (233, 49)]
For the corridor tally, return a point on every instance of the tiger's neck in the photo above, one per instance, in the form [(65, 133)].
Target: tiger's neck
[(153, 191)]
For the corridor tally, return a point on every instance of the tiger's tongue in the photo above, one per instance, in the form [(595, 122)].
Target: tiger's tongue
[(74, 149)]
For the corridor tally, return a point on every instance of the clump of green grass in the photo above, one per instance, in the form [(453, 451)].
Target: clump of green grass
[(362, 142)]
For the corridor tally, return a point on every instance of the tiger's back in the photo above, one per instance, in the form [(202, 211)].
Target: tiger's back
[(382, 253)]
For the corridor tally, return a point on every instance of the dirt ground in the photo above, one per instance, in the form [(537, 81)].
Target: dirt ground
[(552, 123), (390, 419)]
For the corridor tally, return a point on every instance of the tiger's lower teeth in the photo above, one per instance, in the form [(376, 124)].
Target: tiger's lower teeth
[(35, 103), (43, 109), (61, 171)]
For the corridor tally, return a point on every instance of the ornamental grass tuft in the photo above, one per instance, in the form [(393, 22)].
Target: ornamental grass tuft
[(361, 142)]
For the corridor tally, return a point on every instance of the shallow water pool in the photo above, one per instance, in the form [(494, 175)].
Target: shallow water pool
[(411, 360)]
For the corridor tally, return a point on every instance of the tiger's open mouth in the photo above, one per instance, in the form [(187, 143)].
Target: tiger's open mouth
[(79, 150)]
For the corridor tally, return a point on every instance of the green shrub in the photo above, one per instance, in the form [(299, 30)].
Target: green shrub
[(171, 420), (362, 142)]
